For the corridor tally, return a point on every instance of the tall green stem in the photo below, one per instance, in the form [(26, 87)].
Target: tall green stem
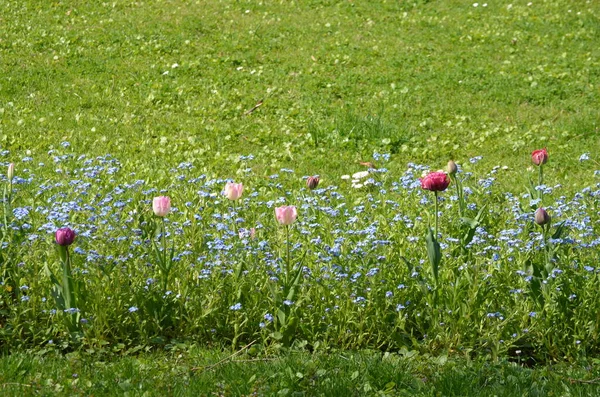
[(436, 214), (235, 229), (541, 182), (165, 266), (287, 265), (458, 194)]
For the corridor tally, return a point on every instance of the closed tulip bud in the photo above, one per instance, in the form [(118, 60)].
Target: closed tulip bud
[(539, 157), (247, 233), (286, 215), (452, 168), (11, 171), (435, 181), (312, 182), (64, 236), (541, 217), (233, 191), (161, 205)]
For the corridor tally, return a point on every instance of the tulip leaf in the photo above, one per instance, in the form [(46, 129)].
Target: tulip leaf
[(433, 252), (560, 228)]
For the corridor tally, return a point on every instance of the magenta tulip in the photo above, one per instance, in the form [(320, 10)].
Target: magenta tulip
[(435, 181), (161, 205), (286, 215), (64, 236)]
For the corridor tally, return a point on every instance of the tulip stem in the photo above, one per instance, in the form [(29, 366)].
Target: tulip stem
[(540, 183), (165, 266), (287, 265), (459, 194), (436, 214), (235, 229)]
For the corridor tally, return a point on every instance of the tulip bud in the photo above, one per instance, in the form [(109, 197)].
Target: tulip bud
[(452, 168), (64, 236), (11, 172), (161, 205), (250, 233), (312, 182), (233, 191), (541, 217), (539, 157)]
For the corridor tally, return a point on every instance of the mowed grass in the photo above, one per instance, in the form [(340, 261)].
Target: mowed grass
[(210, 373), (160, 82)]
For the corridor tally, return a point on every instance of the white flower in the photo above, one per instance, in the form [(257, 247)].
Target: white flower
[(360, 175)]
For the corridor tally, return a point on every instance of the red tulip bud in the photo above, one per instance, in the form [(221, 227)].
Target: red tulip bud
[(539, 157), (312, 182)]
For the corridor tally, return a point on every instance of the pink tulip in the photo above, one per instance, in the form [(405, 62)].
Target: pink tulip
[(161, 205), (286, 215), (540, 156), (64, 236), (11, 171), (233, 191), (435, 181)]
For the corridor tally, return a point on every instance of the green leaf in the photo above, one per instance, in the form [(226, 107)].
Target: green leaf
[(560, 228), (281, 316), (434, 253)]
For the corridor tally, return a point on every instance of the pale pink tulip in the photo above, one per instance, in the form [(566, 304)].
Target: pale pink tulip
[(161, 205), (286, 215), (233, 191)]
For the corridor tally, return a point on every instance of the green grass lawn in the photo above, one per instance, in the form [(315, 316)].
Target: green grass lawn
[(210, 373), (318, 86), (159, 82)]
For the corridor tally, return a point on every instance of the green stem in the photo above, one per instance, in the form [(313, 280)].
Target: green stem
[(436, 215), (235, 229), (165, 266), (458, 194), (541, 182), (287, 265)]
